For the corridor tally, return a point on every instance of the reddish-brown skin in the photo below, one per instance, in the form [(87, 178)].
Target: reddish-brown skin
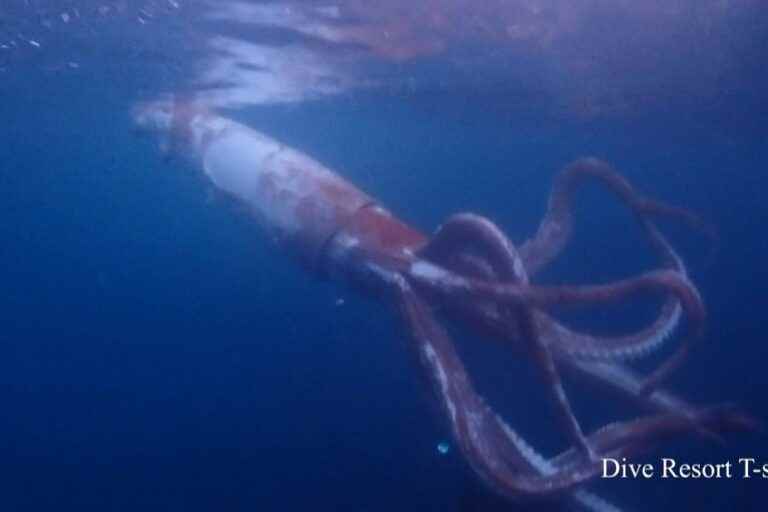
[(491, 292), (476, 275)]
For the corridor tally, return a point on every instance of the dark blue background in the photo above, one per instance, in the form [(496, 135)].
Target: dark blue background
[(157, 353)]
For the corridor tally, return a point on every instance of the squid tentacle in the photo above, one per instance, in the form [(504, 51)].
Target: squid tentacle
[(449, 249), (556, 227), (626, 383), (554, 233), (636, 436), (464, 229), (456, 236), (630, 347), (633, 346), (494, 451), (453, 287), (643, 342), (674, 278), (468, 227), (498, 454)]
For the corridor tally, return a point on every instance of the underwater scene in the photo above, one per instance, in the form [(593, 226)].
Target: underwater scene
[(348, 255)]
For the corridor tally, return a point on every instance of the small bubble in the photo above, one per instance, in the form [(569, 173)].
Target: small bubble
[(443, 448)]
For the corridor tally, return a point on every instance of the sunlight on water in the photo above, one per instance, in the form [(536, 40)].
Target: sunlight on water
[(586, 58)]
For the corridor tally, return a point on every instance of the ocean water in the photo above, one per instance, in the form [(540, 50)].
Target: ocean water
[(158, 352)]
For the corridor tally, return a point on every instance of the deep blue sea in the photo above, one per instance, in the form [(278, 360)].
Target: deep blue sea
[(159, 353)]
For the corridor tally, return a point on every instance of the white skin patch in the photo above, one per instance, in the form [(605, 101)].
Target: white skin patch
[(442, 379), (427, 271), (420, 269), (475, 422), (347, 241), (517, 267), (271, 178), (544, 467), (206, 126), (378, 209)]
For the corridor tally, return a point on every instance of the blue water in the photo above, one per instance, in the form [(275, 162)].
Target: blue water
[(158, 353)]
